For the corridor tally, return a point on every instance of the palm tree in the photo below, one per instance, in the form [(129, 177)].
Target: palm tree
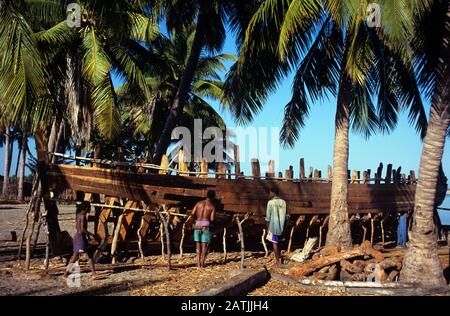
[(209, 35), (342, 56), (421, 262), (88, 56), (168, 56), (23, 144), (32, 76), (7, 167)]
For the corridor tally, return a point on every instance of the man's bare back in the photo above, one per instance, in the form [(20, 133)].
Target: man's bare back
[(204, 211)]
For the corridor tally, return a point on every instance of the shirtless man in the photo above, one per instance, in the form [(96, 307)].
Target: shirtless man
[(80, 244), (204, 213)]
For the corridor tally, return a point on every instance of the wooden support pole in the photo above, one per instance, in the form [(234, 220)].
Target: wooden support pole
[(116, 237), (290, 239), (256, 171), (36, 236), (372, 232), (237, 163), (382, 230), (161, 235), (324, 224), (165, 222), (364, 233), (28, 243), (241, 237), (302, 168), (183, 233), (313, 220), (142, 232), (224, 242), (298, 222), (263, 241)]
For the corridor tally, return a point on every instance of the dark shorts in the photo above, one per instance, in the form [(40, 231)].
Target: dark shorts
[(80, 243)]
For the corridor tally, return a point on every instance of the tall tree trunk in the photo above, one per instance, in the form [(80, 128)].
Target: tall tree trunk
[(183, 89), (59, 139), (51, 208), (339, 224), (52, 137), (5, 189), (421, 264), (23, 157)]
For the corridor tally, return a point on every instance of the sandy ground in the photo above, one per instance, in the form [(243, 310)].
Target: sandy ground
[(132, 277)]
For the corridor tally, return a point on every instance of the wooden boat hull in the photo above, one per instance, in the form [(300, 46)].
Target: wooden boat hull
[(234, 195)]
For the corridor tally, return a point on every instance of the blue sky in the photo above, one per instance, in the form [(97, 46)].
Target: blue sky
[(401, 148)]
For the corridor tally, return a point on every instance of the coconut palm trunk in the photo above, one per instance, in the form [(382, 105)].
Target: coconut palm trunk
[(7, 163), (339, 225), (183, 90), (421, 263), (23, 157)]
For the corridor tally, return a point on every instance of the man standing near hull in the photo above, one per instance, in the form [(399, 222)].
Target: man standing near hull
[(276, 218), (204, 214)]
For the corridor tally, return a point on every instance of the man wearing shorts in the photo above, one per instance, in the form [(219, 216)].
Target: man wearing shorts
[(203, 213), (275, 217), (80, 243)]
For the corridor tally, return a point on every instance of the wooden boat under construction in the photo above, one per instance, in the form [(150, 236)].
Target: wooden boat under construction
[(130, 199)]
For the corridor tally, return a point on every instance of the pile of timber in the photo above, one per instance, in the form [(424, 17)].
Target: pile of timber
[(361, 263)]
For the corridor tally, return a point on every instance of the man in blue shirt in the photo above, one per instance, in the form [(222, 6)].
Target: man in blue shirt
[(402, 230), (275, 217)]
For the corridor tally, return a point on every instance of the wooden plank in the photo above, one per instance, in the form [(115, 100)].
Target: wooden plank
[(221, 168), (388, 177), (378, 174), (398, 174), (164, 164), (204, 168), (182, 165), (412, 177), (256, 171), (289, 173), (271, 170), (302, 168)]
